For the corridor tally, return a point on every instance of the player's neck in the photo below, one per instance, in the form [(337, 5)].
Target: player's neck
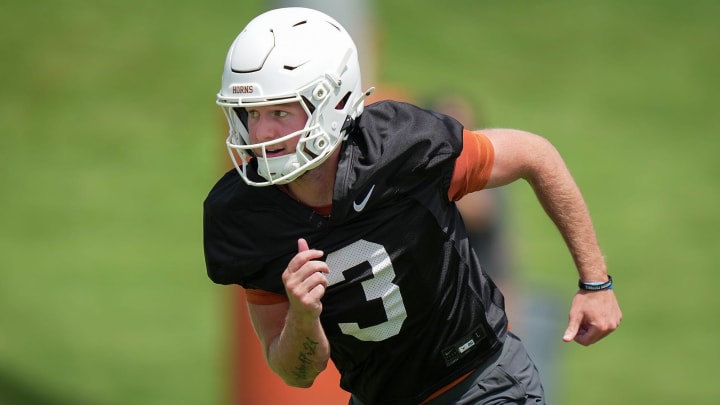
[(315, 188)]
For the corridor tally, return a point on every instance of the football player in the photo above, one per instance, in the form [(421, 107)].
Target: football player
[(339, 220)]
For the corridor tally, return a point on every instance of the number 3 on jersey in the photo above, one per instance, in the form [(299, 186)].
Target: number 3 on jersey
[(379, 286)]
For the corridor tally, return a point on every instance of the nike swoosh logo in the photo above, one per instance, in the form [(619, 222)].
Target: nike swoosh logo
[(361, 206)]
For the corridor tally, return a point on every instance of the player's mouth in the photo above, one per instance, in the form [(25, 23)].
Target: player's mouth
[(274, 152)]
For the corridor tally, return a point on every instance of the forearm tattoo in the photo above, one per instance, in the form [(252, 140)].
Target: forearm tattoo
[(308, 350)]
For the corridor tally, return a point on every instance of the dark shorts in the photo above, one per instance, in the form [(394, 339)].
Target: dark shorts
[(509, 377)]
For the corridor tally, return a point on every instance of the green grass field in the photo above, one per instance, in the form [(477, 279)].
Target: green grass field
[(110, 140)]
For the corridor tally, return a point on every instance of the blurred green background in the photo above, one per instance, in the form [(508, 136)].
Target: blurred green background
[(110, 140)]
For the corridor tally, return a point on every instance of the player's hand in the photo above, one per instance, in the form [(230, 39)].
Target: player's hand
[(593, 315), (305, 281)]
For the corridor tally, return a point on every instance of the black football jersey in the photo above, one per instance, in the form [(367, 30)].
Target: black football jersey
[(408, 309)]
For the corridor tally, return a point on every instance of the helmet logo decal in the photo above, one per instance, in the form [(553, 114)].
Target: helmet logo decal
[(242, 89)]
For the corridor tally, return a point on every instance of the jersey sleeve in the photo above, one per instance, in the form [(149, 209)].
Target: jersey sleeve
[(262, 297), (473, 166)]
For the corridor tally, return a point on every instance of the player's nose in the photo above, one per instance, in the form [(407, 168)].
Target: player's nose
[(264, 129)]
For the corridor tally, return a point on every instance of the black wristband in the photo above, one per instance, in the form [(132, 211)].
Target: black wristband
[(596, 286)]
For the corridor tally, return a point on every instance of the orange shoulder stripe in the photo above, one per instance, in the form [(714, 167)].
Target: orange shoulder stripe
[(473, 166)]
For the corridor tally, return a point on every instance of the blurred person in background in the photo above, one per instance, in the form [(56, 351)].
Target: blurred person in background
[(339, 221)]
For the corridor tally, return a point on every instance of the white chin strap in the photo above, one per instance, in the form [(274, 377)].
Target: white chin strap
[(279, 170)]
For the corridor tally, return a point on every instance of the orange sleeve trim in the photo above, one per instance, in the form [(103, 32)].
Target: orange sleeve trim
[(262, 297), (473, 166)]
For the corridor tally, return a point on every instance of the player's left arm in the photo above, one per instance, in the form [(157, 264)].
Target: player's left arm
[(523, 155)]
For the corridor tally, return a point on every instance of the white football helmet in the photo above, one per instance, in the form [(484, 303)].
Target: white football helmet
[(290, 55)]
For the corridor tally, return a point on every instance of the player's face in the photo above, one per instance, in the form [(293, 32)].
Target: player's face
[(272, 122)]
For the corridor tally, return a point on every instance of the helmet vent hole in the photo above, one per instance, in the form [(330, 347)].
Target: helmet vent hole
[(334, 26), (341, 105), (308, 104)]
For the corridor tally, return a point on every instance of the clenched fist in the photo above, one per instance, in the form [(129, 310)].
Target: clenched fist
[(305, 281)]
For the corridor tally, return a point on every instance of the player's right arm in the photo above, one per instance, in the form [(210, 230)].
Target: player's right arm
[(290, 332)]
